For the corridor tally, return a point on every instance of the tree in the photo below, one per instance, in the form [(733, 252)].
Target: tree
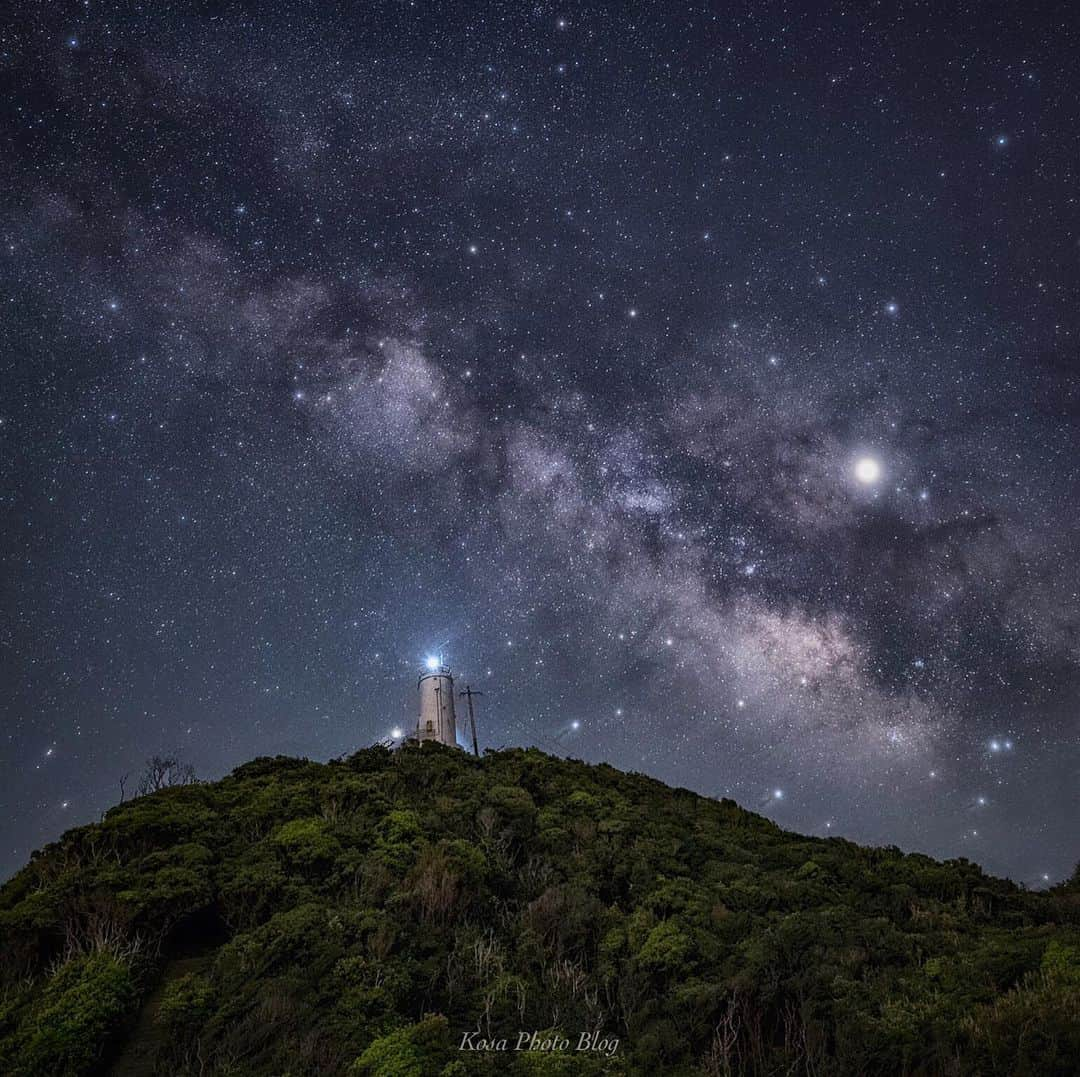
[(163, 771)]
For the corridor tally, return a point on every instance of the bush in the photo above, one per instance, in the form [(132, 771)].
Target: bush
[(81, 1011)]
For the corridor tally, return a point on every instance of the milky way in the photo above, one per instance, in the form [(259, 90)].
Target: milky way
[(700, 382)]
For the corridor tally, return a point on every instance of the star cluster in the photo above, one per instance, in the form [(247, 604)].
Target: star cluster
[(697, 381)]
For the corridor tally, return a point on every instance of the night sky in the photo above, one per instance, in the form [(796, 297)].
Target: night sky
[(700, 381)]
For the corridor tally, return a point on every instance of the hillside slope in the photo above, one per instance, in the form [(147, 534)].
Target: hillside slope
[(362, 916)]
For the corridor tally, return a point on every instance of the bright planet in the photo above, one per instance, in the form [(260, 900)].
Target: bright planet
[(867, 470)]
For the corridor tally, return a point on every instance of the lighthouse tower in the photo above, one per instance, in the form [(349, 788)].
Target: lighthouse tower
[(437, 718)]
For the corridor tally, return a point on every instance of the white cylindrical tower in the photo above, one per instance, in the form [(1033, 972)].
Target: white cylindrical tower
[(437, 718)]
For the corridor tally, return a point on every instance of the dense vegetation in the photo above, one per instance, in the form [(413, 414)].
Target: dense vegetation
[(360, 916)]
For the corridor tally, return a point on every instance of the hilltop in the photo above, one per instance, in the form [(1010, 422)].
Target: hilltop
[(365, 916)]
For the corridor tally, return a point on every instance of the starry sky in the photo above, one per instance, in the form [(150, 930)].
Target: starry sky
[(699, 380)]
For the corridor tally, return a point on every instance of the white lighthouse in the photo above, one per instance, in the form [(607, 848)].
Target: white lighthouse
[(437, 718)]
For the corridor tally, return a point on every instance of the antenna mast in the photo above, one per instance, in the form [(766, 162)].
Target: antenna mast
[(468, 694)]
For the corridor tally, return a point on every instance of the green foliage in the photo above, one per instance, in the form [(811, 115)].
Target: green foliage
[(307, 843), (81, 1008), (1061, 963), (665, 949), (297, 918), (416, 1051), (186, 1004)]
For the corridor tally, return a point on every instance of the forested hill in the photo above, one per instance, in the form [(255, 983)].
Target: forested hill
[(367, 915)]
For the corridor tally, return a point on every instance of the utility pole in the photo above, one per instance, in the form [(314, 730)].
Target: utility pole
[(468, 694)]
